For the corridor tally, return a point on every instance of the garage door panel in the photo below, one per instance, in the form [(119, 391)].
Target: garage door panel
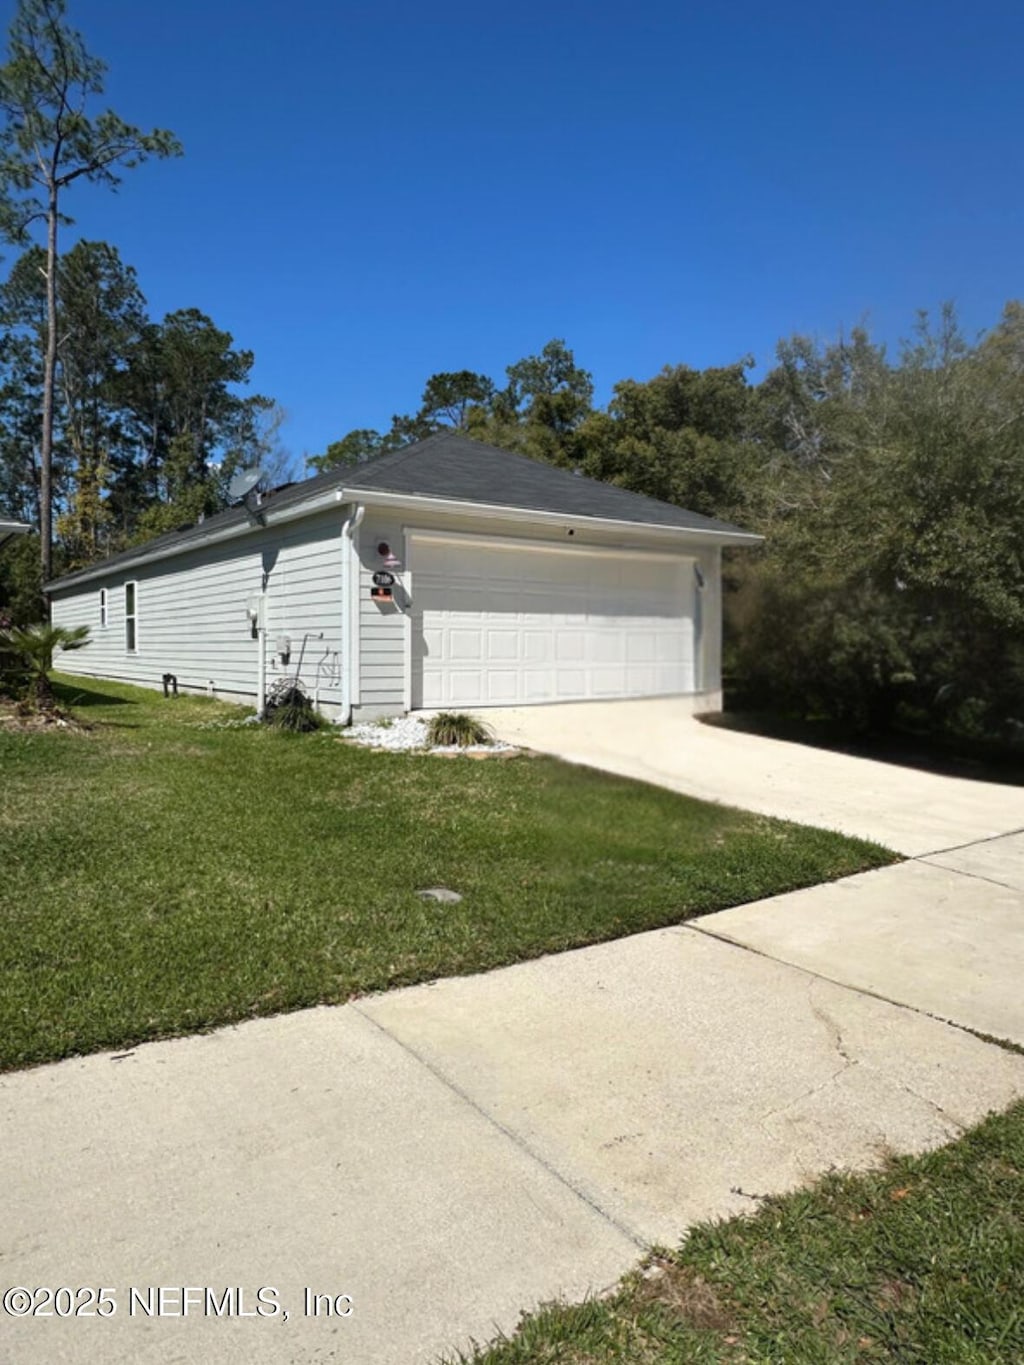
[(570, 683), (431, 642), (465, 687), (538, 684), (607, 647), (538, 646), (432, 690), (502, 645), (641, 647), (570, 646), (670, 648), (608, 682), (504, 625), (502, 686), (464, 644)]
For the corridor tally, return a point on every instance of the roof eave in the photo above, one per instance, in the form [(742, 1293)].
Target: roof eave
[(500, 511), (268, 517), (10, 529)]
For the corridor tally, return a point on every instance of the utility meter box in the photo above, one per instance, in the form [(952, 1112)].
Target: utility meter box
[(255, 611)]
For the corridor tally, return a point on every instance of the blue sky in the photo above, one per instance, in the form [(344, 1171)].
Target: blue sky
[(375, 192)]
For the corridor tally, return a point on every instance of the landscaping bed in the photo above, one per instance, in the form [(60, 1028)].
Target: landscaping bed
[(170, 869)]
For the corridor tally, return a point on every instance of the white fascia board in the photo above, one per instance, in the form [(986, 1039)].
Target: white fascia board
[(495, 512), (269, 518), (10, 529)]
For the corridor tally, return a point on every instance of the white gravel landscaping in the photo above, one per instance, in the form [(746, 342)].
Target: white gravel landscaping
[(410, 732)]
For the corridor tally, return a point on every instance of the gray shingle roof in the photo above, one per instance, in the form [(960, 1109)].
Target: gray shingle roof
[(444, 466)]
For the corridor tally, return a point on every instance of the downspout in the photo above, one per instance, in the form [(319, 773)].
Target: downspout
[(348, 588), (261, 667)]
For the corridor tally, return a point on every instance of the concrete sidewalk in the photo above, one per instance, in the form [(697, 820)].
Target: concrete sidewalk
[(452, 1154), (906, 809)]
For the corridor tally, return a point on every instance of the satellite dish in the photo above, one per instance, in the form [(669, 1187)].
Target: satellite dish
[(243, 483)]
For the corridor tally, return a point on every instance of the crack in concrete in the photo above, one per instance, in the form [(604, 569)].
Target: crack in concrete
[(831, 1027), (933, 1104), (805, 1095), (836, 1039)]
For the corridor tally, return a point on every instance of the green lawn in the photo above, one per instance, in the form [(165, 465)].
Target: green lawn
[(160, 875), (921, 1263)]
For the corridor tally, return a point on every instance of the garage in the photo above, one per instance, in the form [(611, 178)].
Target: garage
[(510, 623)]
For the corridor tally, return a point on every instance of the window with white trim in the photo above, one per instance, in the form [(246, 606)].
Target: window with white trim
[(103, 608), (131, 592)]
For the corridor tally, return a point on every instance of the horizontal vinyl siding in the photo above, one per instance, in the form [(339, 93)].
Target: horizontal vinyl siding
[(191, 613), (381, 626)]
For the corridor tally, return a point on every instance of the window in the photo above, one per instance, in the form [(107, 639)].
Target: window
[(103, 608), (130, 613)]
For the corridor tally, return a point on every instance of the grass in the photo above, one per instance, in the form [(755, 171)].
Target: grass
[(163, 872), (921, 1262)]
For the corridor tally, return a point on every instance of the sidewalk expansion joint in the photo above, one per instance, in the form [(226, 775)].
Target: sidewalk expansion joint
[(1007, 1044), (971, 843), (926, 858), (641, 1243)]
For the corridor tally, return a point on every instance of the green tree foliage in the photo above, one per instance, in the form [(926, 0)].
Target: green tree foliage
[(892, 584), (22, 339), (188, 429), (19, 581), (103, 316), (35, 646), (150, 423), (540, 411), (682, 437), (354, 449), (47, 142)]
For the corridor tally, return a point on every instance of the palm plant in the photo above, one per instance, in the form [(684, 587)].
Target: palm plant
[(36, 646)]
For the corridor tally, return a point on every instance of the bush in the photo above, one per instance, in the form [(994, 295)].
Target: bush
[(455, 727), (35, 646), (289, 708)]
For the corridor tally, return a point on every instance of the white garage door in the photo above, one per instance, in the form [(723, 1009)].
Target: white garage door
[(503, 625)]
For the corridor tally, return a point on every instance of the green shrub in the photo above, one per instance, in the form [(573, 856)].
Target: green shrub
[(34, 647), (289, 708), (455, 727)]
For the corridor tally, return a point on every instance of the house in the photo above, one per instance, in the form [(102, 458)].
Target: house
[(447, 574)]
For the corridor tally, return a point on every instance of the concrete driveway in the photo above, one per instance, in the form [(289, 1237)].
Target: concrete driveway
[(942, 933), (658, 741)]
